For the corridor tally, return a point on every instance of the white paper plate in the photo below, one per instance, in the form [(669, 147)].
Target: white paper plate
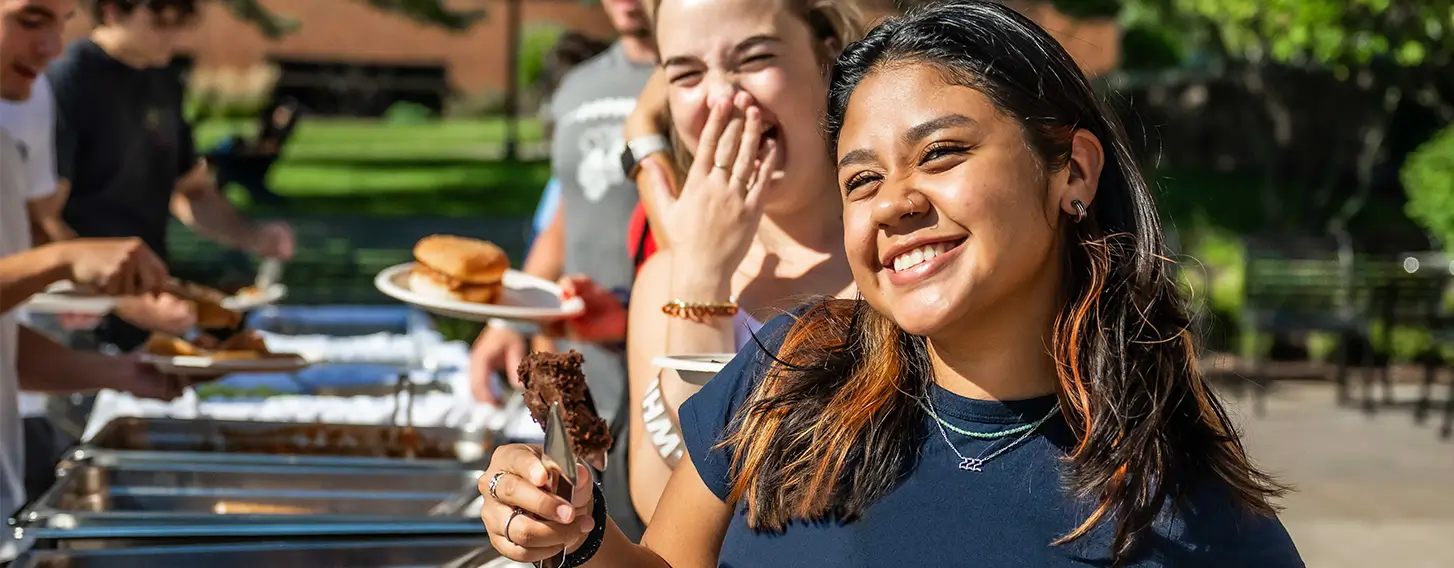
[(526, 298), (207, 366), (61, 298), (697, 368), (243, 302)]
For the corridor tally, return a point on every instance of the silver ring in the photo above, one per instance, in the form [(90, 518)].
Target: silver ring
[(912, 206), (494, 480), (515, 513), (1079, 210), (719, 166)]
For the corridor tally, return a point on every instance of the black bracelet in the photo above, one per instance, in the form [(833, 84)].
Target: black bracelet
[(587, 550)]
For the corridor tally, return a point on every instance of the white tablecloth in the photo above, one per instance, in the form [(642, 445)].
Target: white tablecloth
[(426, 347)]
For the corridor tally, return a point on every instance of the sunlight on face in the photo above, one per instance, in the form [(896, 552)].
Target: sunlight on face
[(30, 37), (945, 207), (712, 49)]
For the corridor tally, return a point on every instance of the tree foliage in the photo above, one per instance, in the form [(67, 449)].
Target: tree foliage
[(1336, 33), (1360, 61), (428, 12), (1428, 177)]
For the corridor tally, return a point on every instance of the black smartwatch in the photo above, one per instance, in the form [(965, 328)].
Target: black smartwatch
[(638, 149)]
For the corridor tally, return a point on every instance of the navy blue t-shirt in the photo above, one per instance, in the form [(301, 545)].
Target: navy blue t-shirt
[(939, 515)]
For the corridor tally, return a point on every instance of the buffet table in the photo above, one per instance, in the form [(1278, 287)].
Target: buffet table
[(336, 465), (442, 397)]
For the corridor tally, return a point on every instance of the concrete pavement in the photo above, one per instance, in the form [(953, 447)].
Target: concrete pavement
[(1369, 492)]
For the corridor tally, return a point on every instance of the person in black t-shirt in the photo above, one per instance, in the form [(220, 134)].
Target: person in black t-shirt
[(126, 155)]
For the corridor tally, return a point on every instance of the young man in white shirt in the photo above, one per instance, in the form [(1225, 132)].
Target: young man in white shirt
[(31, 125), (30, 36)]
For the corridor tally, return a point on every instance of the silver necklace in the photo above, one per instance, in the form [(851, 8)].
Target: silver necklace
[(976, 464)]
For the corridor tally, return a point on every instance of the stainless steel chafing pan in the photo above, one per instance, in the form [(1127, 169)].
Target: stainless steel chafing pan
[(276, 443), (392, 553), (169, 500)]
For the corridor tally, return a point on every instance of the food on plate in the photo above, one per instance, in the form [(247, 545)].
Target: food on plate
[(247, 340), (170, 346), (557, 377), (242, 346), (214, 316), (207, 302), (458, 268)]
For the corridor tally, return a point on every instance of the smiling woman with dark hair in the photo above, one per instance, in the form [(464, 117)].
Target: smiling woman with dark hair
[(1016, 384)]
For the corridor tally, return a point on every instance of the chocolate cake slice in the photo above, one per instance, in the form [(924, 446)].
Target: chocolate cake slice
[(551, 377)]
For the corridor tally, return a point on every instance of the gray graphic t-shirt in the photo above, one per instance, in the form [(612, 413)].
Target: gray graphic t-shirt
[(589, 110)]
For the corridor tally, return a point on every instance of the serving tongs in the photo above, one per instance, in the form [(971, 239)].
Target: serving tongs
[(558, 454), (269, 272), (560, 462)]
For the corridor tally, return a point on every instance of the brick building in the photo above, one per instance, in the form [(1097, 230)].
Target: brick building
[(370, 58), (344, 45)]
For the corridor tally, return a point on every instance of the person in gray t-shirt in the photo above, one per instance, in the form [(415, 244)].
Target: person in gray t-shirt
[(588, 111), (588, 235)]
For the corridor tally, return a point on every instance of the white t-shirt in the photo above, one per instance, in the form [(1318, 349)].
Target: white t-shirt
[(14, 238), (32, 124)]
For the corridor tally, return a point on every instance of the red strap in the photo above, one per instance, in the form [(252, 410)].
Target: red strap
[(639, 241)]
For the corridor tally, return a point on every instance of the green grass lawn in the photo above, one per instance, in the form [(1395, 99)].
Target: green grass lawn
[(333, 138), (347, 166), (460, 190)]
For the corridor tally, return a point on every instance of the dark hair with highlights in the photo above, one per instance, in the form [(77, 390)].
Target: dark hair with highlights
[(835, 423)]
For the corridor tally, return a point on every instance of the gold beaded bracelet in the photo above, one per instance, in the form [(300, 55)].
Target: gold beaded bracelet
[(699, 310)]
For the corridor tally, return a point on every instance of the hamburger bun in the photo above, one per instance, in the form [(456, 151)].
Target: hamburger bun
[(467, 261), (422, 282)]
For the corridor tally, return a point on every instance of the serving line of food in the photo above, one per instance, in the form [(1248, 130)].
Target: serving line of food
[(365, 480)]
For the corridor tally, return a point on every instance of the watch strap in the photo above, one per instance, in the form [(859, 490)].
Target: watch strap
[(637, 149)]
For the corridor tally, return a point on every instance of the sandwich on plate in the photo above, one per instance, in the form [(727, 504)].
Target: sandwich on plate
[(459, 269)]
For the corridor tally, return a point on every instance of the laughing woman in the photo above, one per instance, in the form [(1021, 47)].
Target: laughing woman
[(1016, 385)]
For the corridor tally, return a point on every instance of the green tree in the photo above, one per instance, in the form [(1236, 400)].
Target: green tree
[(1381, 54), (1428, 178), (430, 12)]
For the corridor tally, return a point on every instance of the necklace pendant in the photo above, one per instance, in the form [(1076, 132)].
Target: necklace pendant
[(971, 464)]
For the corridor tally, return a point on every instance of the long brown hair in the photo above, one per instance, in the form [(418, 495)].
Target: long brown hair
[(835, 423)]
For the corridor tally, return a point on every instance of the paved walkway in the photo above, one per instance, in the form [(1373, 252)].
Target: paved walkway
[(1373, 492)]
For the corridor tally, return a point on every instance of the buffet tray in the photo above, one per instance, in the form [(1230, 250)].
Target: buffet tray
[(171, 500), (392, 553), (133, 439)]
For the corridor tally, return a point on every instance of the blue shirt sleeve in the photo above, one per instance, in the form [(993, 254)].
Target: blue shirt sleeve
[(549, 202), (706, 416)]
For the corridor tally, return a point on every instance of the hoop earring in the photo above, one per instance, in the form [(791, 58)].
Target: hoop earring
[(1079, 210)]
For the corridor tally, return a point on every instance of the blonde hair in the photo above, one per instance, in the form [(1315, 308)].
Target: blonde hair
[(842, 21)]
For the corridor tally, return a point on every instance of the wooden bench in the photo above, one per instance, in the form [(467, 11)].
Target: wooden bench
[(1299, 285)]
